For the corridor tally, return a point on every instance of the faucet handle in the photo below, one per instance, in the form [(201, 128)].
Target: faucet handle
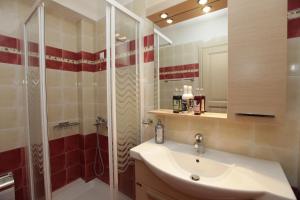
[(199, 138)]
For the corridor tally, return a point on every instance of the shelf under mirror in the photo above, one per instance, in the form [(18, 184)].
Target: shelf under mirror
[(167, 112)]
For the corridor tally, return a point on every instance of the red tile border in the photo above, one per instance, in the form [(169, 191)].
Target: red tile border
[(9, 42), (148, 56), (52, 51), (10, 58), (294, 28), (293, 4)]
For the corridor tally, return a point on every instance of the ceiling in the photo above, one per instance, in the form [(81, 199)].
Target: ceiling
[(184, 11)]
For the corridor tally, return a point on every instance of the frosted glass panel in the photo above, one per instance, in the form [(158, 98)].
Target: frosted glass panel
[(127, 100), (34, 107)]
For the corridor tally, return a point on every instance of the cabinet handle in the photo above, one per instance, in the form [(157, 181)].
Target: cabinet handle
[(139, 184), (255, 115)]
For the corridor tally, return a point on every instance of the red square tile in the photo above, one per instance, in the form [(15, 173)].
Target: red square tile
[(104, 155), (293, 4), (149, 56), (58, 163), (89, 155), (58, 180), (21, 193), (19, 178), (33, 47), (73, 158), (81, 153), (105, 176), (33, 61), (294, 28), (103, 141), (57, 147), (72, 142), (73, 173), (11, 160), (90, 141), (89, 172)]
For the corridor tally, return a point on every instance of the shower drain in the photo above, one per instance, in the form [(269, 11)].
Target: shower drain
[(195, 177)]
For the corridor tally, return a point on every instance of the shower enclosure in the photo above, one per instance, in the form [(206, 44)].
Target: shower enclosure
[(83, 69)]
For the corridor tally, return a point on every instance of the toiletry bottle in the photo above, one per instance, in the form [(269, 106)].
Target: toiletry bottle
[(190, 99), (197, 102), (185, 99), (176, 101), (159, 133), (203, 100), (180, 96)]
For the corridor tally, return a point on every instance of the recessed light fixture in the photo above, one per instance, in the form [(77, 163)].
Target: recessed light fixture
[(163, 15), (202, 2), (206, 9), (169, 21)]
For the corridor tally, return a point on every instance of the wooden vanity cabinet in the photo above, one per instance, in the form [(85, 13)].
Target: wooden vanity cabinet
[(257, 48)]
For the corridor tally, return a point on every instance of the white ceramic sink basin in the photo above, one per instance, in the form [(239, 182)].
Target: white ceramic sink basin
[(221, 175)]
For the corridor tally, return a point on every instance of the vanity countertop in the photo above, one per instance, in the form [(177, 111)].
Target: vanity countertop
[(220, 172)]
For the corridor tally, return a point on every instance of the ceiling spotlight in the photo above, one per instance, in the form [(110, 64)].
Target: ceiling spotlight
[(169, 21), (164, 15), (202, 2), (206, 9)]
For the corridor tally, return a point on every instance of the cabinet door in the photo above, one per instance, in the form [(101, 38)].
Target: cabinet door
[(215, 77), (257, 42), (146, 193)]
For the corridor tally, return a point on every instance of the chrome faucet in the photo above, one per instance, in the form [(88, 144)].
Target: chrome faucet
[(199, 144)]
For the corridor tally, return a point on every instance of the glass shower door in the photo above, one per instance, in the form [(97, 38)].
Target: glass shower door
[(36, 105), (127, 99), (126, 93)]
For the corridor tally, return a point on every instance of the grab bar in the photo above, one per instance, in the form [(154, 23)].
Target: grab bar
[(7, 186), (66, 124), (6, 181)]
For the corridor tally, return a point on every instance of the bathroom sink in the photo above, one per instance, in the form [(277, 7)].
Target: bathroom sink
[(214, 174), (199, 166)]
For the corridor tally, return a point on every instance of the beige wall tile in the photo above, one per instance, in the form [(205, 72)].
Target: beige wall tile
[(278, 135), (53, 78), (55, 113), (11, 138), (8, 74), (8, 96), (288, 159), (54, 95), (8, 118), (70, 95)]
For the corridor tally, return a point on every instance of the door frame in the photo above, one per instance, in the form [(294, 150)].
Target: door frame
[(111, 6)]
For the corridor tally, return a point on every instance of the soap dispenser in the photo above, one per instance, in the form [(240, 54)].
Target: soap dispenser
[(159, 133)]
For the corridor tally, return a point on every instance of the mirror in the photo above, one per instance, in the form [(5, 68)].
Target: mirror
[(194, 53)]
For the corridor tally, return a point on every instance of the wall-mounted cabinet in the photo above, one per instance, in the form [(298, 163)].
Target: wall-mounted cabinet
[(257, 57)]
